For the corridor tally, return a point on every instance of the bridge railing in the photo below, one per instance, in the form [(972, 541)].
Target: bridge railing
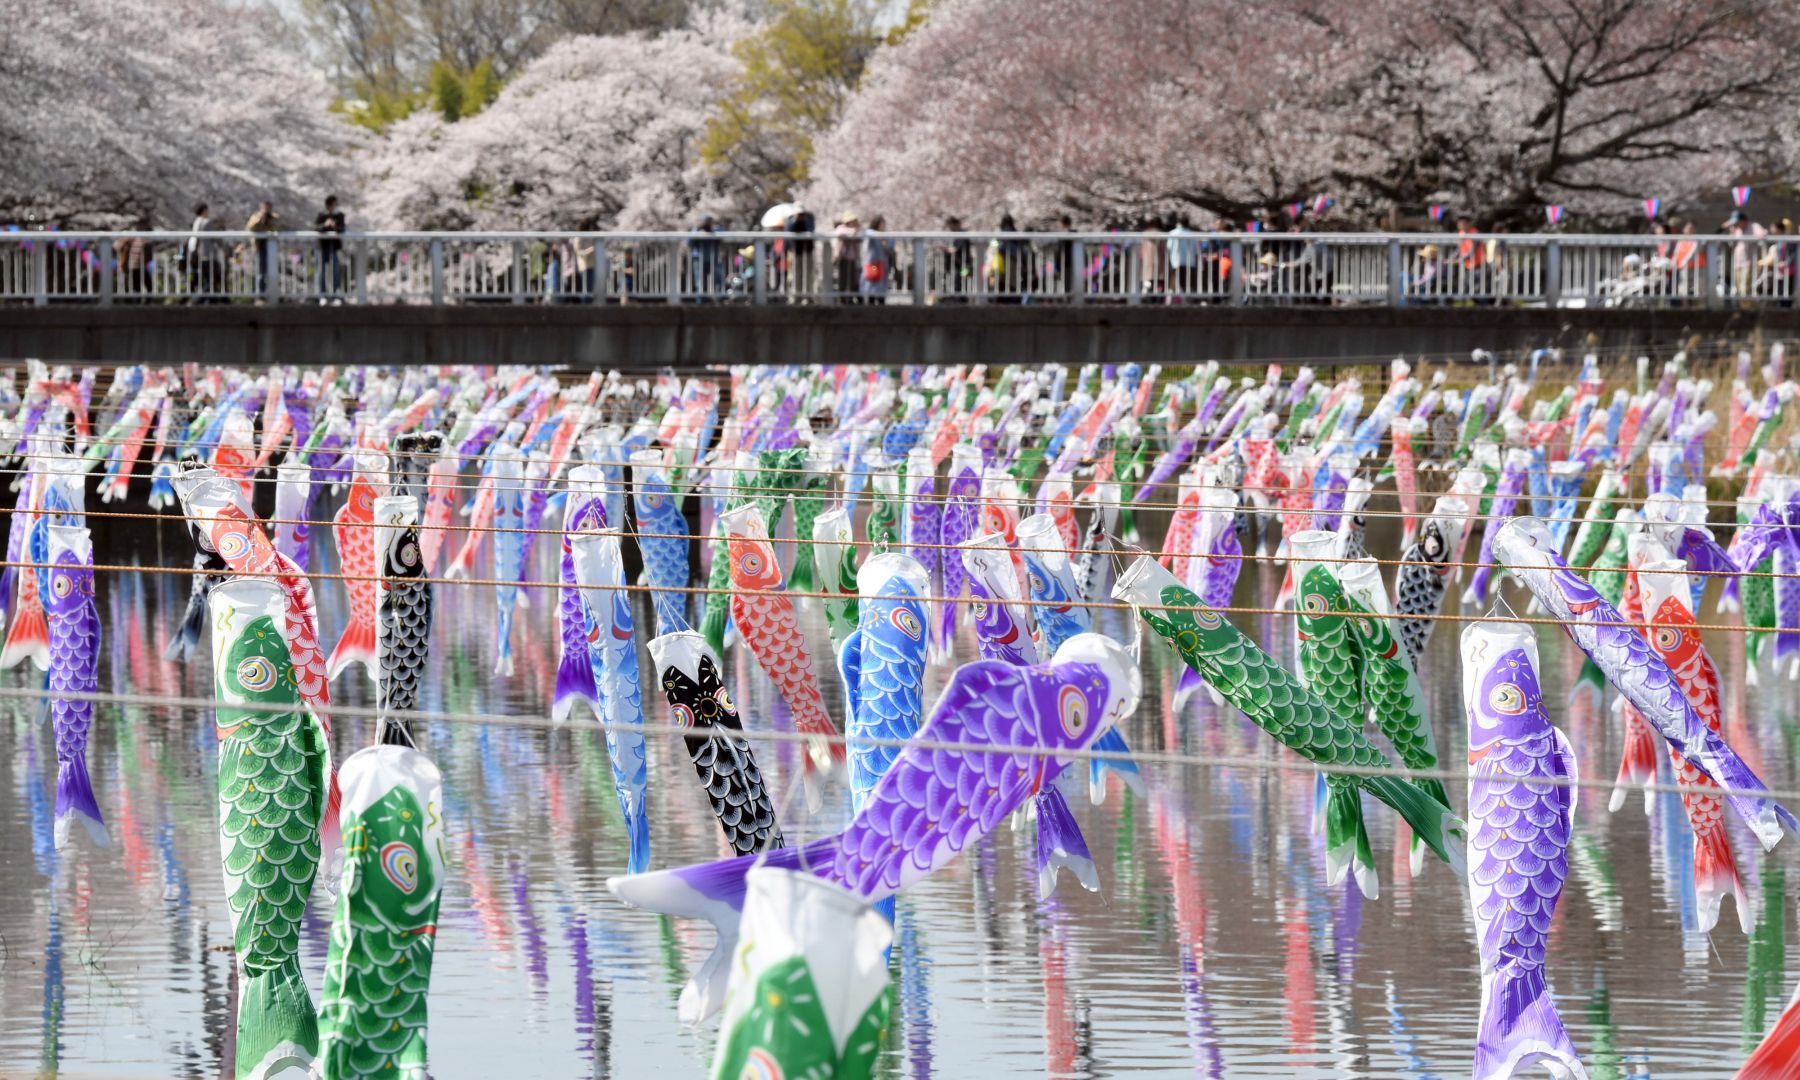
[(1372, 269)]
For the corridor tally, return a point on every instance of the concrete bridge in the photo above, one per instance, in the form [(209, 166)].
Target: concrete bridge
[(695, 335), (646, 337)]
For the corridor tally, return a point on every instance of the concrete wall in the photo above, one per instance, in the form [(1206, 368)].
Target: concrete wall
[(649, 337)]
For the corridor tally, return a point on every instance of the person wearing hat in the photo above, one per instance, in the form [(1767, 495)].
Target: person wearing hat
[(1775, 270), (1431, 265), (846, 258), (1262, 279), (1743, 260)]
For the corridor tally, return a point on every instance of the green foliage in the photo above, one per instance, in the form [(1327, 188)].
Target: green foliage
[(377, 109), (480, 86), (799, 71), (445, 85), (917, 11), (449, 91)]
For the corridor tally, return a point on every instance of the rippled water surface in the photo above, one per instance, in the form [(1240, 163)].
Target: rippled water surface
[(1214, 947)]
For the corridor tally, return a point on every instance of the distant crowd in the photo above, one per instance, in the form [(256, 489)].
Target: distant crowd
[(1300, 257)]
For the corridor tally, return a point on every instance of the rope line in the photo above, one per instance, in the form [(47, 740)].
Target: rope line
[(1104, 605), (1156, 757)]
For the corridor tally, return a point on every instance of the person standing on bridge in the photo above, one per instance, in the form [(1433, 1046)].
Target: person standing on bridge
[(330, 227), (706, 260), (878, 262), (846, 258), (802, 282), (1184, 257), (262, 225), (200, 259)]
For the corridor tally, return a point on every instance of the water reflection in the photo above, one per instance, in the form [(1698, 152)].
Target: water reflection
[(1214, 949)]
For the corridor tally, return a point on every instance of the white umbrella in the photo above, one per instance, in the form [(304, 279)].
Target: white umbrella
[(776, 216)]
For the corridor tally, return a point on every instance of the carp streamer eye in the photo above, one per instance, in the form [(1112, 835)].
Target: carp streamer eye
[(233, 545), (907, 623), (724, 700), (61, 586), (1072, 709), (1507, 699), (257, 674), (752, 562), (401, 865), (1667, 638), (1313, 603)]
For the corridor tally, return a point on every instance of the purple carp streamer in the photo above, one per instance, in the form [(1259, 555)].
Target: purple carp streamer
[(1518, 848)]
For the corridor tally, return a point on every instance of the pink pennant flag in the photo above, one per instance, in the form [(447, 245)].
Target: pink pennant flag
[(1321, 204), (1294, 210), (1436, 210), (1652, 208), (1740, 196), (1553, 214)]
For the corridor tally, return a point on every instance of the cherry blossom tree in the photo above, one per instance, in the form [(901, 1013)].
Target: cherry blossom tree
[(1135, 106), (603, 127), (125, 112)]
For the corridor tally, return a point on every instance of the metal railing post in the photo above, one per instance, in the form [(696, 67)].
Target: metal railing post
[(676, 265), (1234, 277), (602, 272), (104, 251), (271, 271), (759, 270), (1134, 273), (1075, 272), (437, 273), (1396, 275), (1552, 284), (921, 273), (359, 265), (1709, 277), (40, 275), (518, 271)]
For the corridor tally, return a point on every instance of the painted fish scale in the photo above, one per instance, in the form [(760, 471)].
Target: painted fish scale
[(1521, 808), (612, 647), (1517, 849), (1391, 688), (384, 932), (509, 548), (665, 554), (575, 675), (958, 527), (1420, 587), (352, 530), (1330, 659), (1278, 702), (890, 667), (404, 623), (766, 619), (1677, 641), (244, 547), (270, 853), (924, 513), (1640, 675), (74, 624)]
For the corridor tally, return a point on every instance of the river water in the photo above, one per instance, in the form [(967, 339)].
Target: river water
[(1213, 949)]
